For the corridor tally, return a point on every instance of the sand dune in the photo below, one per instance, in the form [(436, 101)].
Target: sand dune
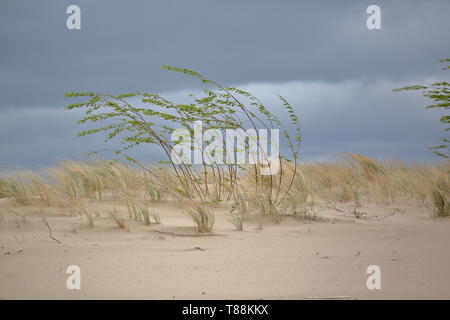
[(295, 259)]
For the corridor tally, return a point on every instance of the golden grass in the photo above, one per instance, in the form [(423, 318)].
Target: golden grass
[(353, 180), (202, 217), (15, 188), (120, 221)]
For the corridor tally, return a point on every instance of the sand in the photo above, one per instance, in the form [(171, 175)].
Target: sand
[(292, 260)]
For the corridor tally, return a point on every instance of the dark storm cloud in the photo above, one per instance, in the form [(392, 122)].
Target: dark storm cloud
[(318, 53), (350, 116), (122, 44)]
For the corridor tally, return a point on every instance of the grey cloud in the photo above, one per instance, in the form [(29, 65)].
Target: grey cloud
[(122, 44), (359, 116), (348, 116), (319, 54)]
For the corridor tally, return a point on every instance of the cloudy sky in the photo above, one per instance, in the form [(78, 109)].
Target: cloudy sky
[(318, 54)]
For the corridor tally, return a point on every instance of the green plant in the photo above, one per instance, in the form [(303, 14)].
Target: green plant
[(439, 93), (221, 108)]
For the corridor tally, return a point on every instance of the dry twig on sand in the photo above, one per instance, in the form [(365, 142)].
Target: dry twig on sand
[(44, 220)]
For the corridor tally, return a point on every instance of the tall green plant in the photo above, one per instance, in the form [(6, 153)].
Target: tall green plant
[(145, 118), (439, 93)]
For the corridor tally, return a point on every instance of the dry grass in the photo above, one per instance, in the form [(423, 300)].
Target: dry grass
[(353, 180), (202, 217), (19, 218), (356, 181), (120, 222), (15, 188), (237, 220), (441, 204)]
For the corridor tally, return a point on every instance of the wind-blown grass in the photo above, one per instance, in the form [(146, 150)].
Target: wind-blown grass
[(441, 203), (120, 222), (202, 217), (353, 181), (16, 189)]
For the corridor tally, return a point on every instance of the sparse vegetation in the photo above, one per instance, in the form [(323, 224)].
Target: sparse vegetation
[(352, 182), (439, 94), (120, 222), (237, 221), (145, 214), (441, 204), (19, 218), (220, 109), (14, 188), (202, 216)]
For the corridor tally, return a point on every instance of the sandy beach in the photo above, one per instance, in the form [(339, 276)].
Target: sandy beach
[(291, 260)]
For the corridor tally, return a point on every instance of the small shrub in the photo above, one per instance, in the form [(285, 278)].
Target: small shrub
[(202, 217), (15, 189), (441, 204)]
